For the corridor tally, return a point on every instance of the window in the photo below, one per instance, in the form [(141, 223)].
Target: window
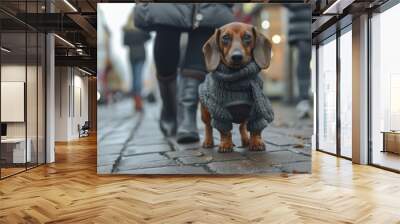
[(346, 93), (327, 96), (385, 89), (22, 78)]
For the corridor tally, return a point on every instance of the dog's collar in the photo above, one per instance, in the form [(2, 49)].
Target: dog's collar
[(230, 75)]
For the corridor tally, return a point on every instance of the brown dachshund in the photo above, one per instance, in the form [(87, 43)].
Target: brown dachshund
[(235, 45)]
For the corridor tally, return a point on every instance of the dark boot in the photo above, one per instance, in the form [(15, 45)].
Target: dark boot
[(188, 99), (167, 88)]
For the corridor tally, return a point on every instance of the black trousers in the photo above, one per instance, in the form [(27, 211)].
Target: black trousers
[(303, 68), (167, 51)]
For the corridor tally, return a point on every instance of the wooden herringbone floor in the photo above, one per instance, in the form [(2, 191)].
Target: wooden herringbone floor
[(70, 191)]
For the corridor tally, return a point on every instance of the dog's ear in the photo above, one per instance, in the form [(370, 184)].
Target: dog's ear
[(262, 49), (211, 52)]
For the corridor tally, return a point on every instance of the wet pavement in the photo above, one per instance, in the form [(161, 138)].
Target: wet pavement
[(130, 143)]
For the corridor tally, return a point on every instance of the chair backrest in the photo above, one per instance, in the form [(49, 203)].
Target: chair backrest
[(86, 125)]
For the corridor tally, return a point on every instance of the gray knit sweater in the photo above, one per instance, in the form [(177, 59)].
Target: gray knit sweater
[(234, 96)]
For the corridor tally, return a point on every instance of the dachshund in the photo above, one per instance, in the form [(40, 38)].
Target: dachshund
[(236, 48)]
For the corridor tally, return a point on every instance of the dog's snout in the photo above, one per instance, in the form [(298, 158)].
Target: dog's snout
[(237, 57)]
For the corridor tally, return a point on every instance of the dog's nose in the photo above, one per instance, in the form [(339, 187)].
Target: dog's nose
[(237, 57)]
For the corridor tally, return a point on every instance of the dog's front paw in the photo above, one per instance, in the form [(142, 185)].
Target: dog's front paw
[(256, 145), (208, 144), (225, 147)]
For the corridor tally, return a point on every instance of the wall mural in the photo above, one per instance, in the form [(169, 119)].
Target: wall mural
[(204, 88)]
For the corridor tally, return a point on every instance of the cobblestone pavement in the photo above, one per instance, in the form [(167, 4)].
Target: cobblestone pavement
[(131, 143)]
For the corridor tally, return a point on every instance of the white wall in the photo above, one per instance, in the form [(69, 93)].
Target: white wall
[(62, 81), (71, 94), (14, 73), (79, 117)]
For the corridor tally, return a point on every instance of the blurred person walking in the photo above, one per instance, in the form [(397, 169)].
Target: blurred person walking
[(110, 79), (300, 39), (199, 20), (135, 39)]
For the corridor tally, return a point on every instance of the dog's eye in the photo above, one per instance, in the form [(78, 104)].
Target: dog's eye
[(226, 38), (246, 38)]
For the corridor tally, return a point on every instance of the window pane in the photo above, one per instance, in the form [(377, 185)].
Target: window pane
[(346, 94), (14, 153), (31, 97), (327, 96), (385, 89)]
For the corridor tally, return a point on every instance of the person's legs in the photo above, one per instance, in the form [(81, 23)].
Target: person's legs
[(303, 68), (194, 58), (166, 58), (166, 53), (304, 77), (137, 70), (192, 74)]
